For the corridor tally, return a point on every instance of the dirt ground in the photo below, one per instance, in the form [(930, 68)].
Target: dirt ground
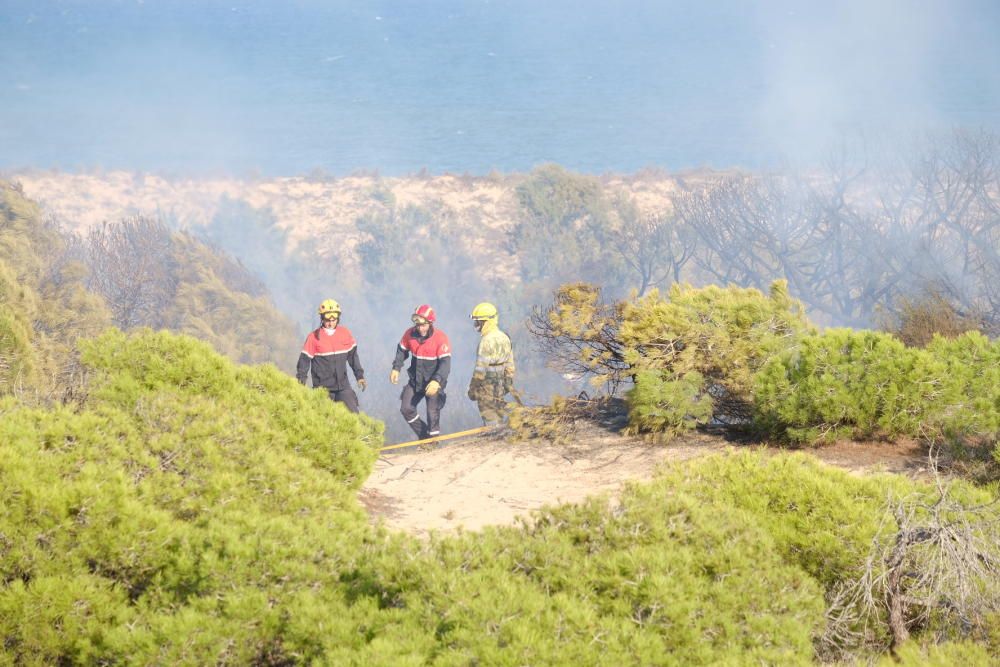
[(478, 481)]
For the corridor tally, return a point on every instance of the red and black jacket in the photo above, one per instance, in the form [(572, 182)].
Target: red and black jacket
[(431, 357), (327, 357)]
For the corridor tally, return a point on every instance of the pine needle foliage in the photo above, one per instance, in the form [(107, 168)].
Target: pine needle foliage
[(667, 406), (730, 559), (735, 356), (866, 384), (948, 654), (847, 536), (18, 359), (181, 515), (153, 362), (579, 334), (691, 354), (656, 577), (694, 353), (152, 276), (246, 328), (192, 511)]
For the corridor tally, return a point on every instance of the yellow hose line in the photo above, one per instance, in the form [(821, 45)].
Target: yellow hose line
[(436, 438)]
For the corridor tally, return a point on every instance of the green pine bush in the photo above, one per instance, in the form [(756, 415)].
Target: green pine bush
[(660, 404), (974, 365), (949, 654), (658, 577), (179, 513), (866, 384), (218, 301), (192, 511), (702, 346)]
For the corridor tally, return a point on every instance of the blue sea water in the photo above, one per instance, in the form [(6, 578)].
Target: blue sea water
[(285, 87)]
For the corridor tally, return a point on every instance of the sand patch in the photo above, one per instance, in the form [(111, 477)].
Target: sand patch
[(480, 482), (485, 481)]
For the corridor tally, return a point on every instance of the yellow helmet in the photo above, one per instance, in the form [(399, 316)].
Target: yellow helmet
[(484, 311), (329, 308)]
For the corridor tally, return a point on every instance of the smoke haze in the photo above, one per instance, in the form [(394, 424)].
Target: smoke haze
[(893, 67), (283, 88), (276, 88)]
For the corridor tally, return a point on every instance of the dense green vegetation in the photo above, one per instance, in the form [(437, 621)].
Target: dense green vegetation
[(189, 510), (210, 305), (700, 347), (175, 507), (178, 513), (866, 384), (739, 357)]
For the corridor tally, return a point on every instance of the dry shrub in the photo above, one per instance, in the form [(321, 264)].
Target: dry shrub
[(930, 312), (933, 568), (560, 420)]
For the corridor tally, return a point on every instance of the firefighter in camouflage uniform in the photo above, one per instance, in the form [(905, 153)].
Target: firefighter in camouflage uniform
[(493, 377)]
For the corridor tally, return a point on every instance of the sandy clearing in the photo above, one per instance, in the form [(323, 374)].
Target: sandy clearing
[(483, 482), (479, 482)]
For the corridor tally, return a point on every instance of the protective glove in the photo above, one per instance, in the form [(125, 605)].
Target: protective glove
[(363, 383), (433, 387), (475, 386), (394, 376)]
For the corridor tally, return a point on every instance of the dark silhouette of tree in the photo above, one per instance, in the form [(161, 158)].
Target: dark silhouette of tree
[(861, 235), (654, 246), (134, 269)]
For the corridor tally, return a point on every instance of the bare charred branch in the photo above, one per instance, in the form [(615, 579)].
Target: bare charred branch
[(938, 570), (133, 268)]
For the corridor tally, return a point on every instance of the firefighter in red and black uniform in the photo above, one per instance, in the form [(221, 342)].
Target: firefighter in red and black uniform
[(428, 371), (327, 352)]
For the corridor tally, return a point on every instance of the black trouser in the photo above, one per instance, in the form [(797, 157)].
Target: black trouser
[(345, 396), (410, 399)]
